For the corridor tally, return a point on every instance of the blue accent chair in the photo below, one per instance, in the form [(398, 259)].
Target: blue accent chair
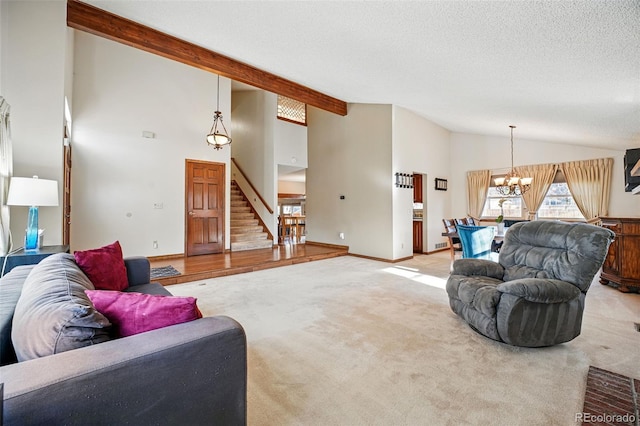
[(476, 242)]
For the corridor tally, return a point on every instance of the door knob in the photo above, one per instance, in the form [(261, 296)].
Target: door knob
[(191, 213)]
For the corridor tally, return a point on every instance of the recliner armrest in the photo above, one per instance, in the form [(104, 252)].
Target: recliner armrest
[(483, 267), (540, 290), (138, 270)]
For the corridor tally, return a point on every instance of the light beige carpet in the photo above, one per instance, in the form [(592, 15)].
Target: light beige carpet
[(351, 341)]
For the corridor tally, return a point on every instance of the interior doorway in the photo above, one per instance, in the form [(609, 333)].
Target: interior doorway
[(419, 213)]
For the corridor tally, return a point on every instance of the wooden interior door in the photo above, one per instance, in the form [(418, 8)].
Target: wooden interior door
[(205, 189), (66, 197)]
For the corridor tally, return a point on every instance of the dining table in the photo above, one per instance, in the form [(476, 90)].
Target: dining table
[(292, 226)]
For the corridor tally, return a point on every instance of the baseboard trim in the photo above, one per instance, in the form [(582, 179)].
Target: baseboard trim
[(166, 257), (380, 259), (335, 246), (437, 251)]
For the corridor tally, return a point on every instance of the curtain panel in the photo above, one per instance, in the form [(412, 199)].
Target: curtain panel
[(477, 187), (543, 175), (6, 171), (590, 184)]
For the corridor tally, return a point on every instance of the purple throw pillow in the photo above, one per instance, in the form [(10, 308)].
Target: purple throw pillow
[(133, 313), (104, 267)]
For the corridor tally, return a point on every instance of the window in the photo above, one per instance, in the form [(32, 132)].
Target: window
[(292, 110), (559, 204), (512, 206), (290, 209)]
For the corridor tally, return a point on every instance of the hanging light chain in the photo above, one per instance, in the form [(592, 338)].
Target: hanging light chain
[(215, 137), (512, 184)]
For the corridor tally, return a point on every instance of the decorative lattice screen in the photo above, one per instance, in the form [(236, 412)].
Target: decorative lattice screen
[(292, 110)]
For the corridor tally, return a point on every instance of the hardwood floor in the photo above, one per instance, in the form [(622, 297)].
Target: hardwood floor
[(218, 265)]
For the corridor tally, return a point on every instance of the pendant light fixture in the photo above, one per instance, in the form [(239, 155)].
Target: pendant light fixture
[(216, 137), (512, 184)]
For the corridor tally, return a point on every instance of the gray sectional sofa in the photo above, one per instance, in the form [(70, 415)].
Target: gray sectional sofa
[(192, 373)]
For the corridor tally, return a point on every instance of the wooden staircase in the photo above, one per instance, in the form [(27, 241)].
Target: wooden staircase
[(246, 231)]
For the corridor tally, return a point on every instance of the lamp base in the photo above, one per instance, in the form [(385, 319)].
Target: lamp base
[(31, 239)]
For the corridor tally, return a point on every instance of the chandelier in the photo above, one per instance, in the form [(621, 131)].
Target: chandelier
[(512, 184), (215, 137)]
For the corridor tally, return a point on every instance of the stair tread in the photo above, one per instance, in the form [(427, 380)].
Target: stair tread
[(246, 231)]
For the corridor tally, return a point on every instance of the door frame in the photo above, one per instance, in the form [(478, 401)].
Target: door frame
[(66, 194), (222, 202)]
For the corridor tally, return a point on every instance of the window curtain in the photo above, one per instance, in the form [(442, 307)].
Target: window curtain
[(543, 175), (6, 171), (477, 187), (590, 184)]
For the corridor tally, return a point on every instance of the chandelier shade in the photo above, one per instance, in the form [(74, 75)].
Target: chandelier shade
[(218, 136), (511, 184)]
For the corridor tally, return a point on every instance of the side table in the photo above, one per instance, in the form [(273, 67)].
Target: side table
[(31, 257)]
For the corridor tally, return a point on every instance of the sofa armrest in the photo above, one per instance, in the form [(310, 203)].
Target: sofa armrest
[(191, 373), (483, 267), (540, 290), (138, 270)]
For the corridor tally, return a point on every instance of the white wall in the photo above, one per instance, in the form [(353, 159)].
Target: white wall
[(351, 156), (252, 145), (290, 144), (423, 147), (118, 175), (4, 40), (477, 152), (289, 187), (34, 43)]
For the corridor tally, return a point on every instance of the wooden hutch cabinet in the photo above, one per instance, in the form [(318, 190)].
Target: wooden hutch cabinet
[(622, 265)]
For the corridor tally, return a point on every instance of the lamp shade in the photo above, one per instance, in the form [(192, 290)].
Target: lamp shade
[(32, 192)]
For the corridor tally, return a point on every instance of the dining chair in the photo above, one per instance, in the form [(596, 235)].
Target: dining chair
[(454, 242)]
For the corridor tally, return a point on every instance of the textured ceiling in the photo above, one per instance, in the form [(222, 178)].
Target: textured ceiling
[(561, 71)]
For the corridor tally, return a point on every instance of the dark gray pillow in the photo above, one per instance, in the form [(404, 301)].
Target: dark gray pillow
[(53, 313)]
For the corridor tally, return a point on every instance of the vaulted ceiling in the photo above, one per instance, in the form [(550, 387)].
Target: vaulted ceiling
[(562, 71)]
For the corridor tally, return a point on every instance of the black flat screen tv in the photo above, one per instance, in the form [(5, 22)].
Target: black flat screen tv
[(631, 157)]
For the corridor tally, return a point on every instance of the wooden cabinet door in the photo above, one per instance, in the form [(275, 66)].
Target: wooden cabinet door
[(204, 214), (417, 188), (611, 261), (417, 237)]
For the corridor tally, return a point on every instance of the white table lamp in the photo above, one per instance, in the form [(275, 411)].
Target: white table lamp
[(32, 192)]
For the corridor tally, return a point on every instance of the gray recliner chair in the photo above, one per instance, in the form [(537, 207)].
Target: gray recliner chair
[(535, 295)]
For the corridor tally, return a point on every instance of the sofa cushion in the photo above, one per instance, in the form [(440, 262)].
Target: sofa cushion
[(133, 313), (10, 289), (53, 313), (104, 266)]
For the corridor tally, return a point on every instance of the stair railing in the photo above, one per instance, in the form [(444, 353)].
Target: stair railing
[(261, 207)]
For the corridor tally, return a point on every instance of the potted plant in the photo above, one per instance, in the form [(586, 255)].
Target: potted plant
[(500, 219)]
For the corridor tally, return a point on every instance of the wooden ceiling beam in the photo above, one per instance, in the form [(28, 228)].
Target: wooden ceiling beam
[(84, 17)]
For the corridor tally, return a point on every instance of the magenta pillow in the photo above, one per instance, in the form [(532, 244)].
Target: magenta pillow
[(133, 313), (104, 267)]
